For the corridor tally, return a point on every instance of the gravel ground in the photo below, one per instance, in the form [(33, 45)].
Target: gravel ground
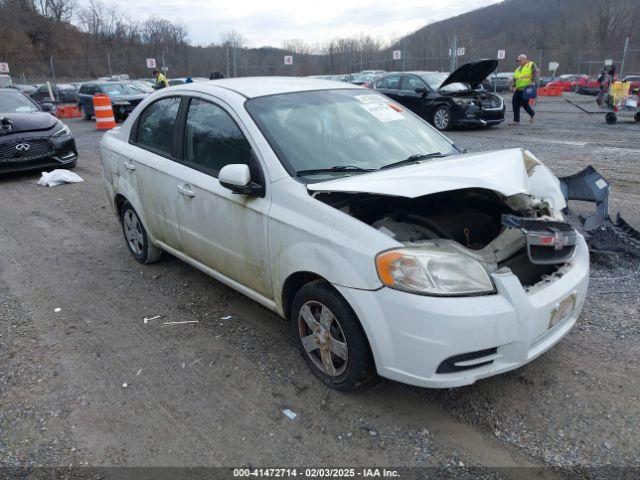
[(212, 393)]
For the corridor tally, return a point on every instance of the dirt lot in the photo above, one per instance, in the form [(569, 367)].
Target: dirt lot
[(94, 384)]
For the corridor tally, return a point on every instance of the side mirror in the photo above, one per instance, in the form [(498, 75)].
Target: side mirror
[(421, 90), (48, 107), (237, 178)]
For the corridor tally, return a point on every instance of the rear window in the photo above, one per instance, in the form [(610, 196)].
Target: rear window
[(156, 125)]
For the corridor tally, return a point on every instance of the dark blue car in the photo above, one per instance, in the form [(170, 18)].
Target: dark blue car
[(124, 98)]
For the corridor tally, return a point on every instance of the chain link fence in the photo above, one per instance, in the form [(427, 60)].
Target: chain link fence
[(269, 62)]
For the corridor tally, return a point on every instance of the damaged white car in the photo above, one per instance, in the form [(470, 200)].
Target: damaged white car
[(388, 249)]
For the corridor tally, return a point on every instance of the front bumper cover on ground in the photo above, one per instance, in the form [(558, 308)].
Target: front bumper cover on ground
[(602, 233)]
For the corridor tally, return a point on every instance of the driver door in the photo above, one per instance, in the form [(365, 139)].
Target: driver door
[(223, 230)]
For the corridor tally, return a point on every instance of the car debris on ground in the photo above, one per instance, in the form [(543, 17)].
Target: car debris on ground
[(59, 177), (290, 413), (184, 322)]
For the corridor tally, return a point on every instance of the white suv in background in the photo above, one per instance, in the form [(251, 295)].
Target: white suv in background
[(388, 249)]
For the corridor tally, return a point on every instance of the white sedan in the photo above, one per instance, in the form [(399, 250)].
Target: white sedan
[(388, 249)]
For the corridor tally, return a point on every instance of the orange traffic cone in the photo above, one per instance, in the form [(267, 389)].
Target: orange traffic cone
[(104, 112)]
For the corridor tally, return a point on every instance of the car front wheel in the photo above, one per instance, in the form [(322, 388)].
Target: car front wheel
[(330, 337), (136, 237), (442, 118)]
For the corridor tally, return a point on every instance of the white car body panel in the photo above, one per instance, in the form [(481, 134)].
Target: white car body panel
[(501, 171), (254, 244)]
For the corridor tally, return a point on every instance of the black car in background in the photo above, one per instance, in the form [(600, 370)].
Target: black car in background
[(447, 100), (62, 93), (31, 138)]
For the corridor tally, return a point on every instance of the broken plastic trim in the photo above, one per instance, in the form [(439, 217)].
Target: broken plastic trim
[(602, 234)]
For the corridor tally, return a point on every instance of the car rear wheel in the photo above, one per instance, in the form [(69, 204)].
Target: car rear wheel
[(611, 118), (330, 337), (637, 117), (442, 118), (136, 237)]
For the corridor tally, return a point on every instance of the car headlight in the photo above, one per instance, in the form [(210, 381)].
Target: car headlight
[(433, 270), (463, 102), (63, 132)]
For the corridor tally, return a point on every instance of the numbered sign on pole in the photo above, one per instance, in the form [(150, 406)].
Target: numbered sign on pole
[(397, 54), (151, 63), (288, 59), (461, 51), (502, 54), (4, 67)]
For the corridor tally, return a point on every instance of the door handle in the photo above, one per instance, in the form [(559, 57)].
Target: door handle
[(129, 166), (186, 192)]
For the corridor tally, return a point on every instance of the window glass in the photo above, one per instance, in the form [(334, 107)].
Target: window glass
[(14, 102), (119, 89), (355, 129), (411, 83), (392, 82), (155, 129), (212, 139)]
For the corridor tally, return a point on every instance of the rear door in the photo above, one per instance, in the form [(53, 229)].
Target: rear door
[(390, 86), (225, 231), (85, 98), (148, 164)]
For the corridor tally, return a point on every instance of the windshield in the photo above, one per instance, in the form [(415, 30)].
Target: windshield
[(144, 87), (119, 89), (435, 79), (16, 103), (342, 128)]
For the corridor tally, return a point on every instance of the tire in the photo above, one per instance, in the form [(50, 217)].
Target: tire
[(611, 118), (637, 117), (85, 116), (137, 243), (353, 366), (442, 118)]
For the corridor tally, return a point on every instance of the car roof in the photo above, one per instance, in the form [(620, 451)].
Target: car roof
[(252, 87)]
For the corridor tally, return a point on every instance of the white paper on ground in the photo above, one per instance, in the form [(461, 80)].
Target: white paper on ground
[(58, 177)]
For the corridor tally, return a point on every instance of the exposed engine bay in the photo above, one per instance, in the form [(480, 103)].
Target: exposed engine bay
[(519, 232)]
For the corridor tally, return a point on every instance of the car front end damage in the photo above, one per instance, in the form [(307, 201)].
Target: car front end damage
[(487, 274), (479, 109)]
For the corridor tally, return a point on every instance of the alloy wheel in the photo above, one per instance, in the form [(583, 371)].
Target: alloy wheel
[(133, 232), (323, 339), (441, 119)]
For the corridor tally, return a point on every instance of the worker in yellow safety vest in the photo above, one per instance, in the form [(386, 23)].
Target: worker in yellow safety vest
[(525, 76), (161, 80)]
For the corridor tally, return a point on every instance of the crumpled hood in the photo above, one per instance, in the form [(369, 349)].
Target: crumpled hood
[(501, 171), (29, 122), (472, 73)]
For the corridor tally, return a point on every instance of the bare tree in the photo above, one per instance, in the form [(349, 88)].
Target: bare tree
[(58, 10)]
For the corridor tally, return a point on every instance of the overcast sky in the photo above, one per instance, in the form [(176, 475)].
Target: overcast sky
[(271, 22)]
